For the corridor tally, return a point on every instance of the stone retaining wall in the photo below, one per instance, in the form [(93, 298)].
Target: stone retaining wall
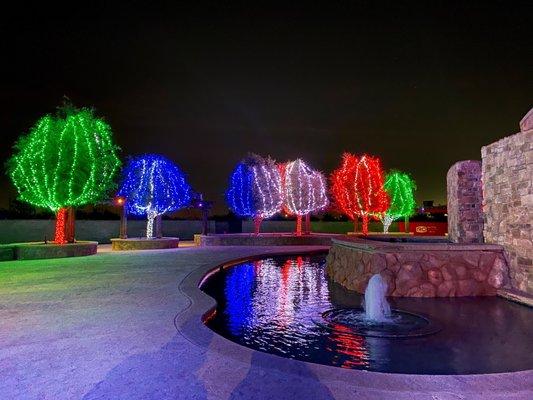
[(419, 270)]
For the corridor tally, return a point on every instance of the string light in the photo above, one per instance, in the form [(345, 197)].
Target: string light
[(357, 188), (304, 190), (255, 188), (400, 187), (153, 185), (64, 161), (282, 168), (239, 195), (268, 197)]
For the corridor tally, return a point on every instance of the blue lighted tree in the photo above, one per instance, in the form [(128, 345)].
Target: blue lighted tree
[(255, 189), (152, 186)]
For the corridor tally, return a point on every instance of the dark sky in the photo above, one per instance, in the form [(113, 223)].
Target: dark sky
[(421, 86)]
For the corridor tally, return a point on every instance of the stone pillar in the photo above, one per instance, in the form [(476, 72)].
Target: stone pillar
[(465, 198), (508, 200)]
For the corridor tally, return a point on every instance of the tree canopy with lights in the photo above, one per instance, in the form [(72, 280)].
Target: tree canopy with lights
[(304, 190), (255, 189), (400, 187), (153, 185), (66, 160), (357, 188)]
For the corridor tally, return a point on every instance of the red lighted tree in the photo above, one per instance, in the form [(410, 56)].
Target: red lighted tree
[(357, 188)]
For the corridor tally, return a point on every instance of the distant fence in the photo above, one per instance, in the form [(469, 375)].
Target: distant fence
[(316, 226), (29, 230), (13, 231)]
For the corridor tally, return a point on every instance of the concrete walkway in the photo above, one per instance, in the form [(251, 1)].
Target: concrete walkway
[(124, 326)]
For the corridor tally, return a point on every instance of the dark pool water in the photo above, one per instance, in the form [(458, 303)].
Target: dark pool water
[(276, 305)]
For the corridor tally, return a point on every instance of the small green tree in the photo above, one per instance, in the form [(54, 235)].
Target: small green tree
[(400, 187), (65, 161)]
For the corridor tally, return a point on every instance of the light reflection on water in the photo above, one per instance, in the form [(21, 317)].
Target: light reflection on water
[(276, 307), (276, 304)]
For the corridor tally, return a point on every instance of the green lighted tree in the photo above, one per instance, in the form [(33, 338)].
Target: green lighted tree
[(400, 187), (65, 161)]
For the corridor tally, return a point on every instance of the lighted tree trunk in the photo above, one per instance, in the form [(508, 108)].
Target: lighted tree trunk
[(150, 227), (307, 228), (298, 225), (61, 219), (257, 224), (65, 223), (365, 224), (406, 224), (387, 221)]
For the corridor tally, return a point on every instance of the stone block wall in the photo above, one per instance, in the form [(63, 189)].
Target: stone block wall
[(421, 270), (507, 177), (465, 214)]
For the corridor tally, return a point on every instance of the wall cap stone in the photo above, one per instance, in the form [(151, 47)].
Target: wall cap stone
[(526, 124), (362, 244), (504, 140), (465, 162)]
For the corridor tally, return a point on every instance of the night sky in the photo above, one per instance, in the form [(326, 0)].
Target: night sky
[(422, 87)]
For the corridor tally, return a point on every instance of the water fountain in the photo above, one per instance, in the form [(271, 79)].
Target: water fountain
[(377, 319), (377, 308)]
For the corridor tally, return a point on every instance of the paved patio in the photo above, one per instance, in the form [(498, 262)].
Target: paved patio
[(125, 325)]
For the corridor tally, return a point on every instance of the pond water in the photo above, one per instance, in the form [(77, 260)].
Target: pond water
[(283, 306)]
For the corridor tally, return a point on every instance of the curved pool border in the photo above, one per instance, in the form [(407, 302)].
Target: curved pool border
[(189, 324)]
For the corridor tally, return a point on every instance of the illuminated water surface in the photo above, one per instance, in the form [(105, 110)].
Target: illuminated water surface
[(275, 305)]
